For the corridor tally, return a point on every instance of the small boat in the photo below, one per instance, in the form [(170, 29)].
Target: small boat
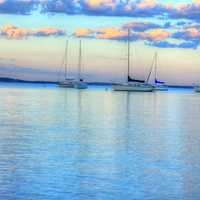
[(68, 82), (158, 85), (79, 83), (197, 88), (132, 85)]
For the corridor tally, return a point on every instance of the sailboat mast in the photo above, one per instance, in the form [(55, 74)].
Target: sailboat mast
[(66, 59), (156, 64), (79, 60), (128, 53)]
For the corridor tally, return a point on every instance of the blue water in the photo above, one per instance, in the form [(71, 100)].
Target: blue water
[(95, 144)]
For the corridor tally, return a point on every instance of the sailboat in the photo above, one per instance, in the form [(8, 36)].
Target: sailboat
[(68, 82), (133, 85), (158, 85), (79, 83)]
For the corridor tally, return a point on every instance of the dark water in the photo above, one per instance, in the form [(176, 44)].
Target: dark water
[(60, 144)]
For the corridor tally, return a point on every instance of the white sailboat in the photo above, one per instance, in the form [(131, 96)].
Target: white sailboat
[(132, 84), (79, 83), (68, 82), (158, 85)]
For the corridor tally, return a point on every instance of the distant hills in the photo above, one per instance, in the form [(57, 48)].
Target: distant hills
[(14, 80)]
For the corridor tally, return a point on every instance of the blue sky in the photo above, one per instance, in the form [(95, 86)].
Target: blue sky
[(33, 35)]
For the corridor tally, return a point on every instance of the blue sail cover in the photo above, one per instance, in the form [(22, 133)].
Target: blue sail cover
[(159, 82)]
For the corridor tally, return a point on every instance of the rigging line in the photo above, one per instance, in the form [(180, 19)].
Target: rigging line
[(79, 60), (128, 52), (61, 67), (151, 68), (66, 59), (158, 64)]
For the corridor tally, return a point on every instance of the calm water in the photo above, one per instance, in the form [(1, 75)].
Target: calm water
[(60, 144)]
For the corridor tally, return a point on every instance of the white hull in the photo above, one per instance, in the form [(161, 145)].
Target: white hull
[(67, 83), (160, 88), (133, 87), (197, 88), (80, 85)]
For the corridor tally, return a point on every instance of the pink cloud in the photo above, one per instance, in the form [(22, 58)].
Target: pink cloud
[(49, 32), (83, 32), (111, 33), (156, 35), (146, 4), (193, 32), (94, 4), (14, 32)]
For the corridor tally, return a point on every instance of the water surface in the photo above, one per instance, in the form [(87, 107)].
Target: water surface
[(95, 144)]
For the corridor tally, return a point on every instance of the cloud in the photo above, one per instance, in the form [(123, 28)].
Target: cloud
[(166, 44), (134, 8), (141, 26), (156, 35), (83, 32), (111, 33), (121, 34), (185, 32), (128, 8), (49, 32), (192, 33), (150, 8), (61, 6), (22, 7), (100, 4), (186, 11), (14, 32), (11, 31)]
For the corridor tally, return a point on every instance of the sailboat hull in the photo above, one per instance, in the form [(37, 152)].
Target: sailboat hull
[(66, 84), (80, 85), (133, 87)]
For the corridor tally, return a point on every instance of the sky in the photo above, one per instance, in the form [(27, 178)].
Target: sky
[(33, 34)]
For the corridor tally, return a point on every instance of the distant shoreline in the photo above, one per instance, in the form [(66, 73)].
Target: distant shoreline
[(14, 80)]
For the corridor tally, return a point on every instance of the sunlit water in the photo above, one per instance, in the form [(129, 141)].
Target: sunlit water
[(95, 144)]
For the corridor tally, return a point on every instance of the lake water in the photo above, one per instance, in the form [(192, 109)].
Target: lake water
[(96, 144)]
